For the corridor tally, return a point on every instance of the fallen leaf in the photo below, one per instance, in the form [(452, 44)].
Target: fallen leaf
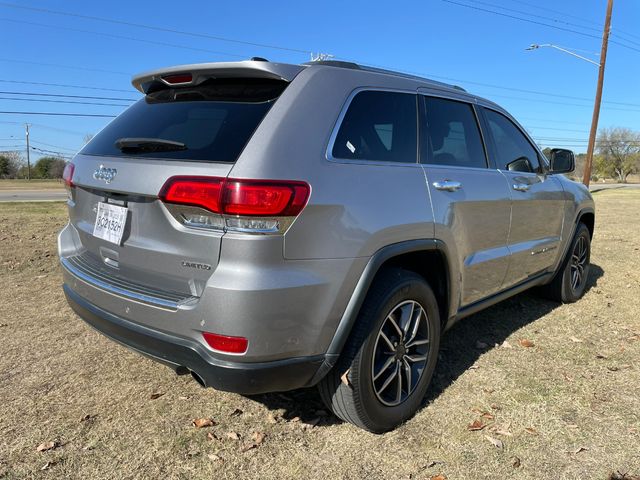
[(294, 419), (212, 436), (43, 447), (531, 430), (575, 340), (258, 437), (247, 446), (504, 432), (203, 422), (487, 415), (236, 413), (48, 465), (496, 407), (481, 345), (438, 477), (156, 395), (474, 367), (214, 457), (506, 344), (475, 426), (233, 435), (182, 397), (309, 424), (271, 418), (344, 378), (495, 442), (516, 462), (526, 343)]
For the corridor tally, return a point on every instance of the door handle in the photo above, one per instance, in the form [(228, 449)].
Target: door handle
[(521, 187), (447, 185)]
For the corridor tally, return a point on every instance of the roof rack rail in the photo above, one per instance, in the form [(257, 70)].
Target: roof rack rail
[(458, 87), (335, 63)]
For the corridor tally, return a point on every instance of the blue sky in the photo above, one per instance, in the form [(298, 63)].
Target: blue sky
[(481, 51)]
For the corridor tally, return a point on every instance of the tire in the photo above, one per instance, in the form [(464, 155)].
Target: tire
[(358, 389), (564, 288)]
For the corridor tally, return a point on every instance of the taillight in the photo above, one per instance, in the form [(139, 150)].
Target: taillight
[(225, 343), (67, 174), (267, 203)]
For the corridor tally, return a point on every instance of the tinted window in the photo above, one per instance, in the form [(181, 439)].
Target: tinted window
[(379, 126), (214, 120), (451, 135), (513, 150)]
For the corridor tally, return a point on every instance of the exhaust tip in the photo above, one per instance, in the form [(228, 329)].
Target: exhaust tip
[(198, 379)]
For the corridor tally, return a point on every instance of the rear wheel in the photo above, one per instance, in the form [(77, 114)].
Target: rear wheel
[(387, 363), (570, 282)]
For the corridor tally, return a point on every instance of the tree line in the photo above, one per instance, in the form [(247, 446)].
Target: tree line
[(13, 165)]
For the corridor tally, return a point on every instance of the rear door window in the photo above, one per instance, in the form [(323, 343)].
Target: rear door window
[(450, 135), (214, 121), (513, 151), (379, 126)]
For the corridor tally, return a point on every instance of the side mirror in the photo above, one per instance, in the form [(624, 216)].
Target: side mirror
[(562, 161)]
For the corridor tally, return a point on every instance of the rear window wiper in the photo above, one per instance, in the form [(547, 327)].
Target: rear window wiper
[(133, 145)]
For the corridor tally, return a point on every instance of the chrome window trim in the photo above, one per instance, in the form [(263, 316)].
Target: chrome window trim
[(361, 161)]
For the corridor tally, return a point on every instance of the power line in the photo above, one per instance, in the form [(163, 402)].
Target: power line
[(46, 127), (68, 102), (153, 27), (521, 19), (71, 150), (531, 127), (64, 85), (561, 103), (68, 96), (123, 37), (59, 114)]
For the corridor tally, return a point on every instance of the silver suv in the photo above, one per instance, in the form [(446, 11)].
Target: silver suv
[(266, 227)]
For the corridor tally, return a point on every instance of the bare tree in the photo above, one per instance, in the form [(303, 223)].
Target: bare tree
[(10, 163), (619, 153)]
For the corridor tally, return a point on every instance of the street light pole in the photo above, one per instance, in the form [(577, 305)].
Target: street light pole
[(596, 107), (535, 46)]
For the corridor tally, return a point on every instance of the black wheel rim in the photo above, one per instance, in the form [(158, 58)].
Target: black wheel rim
[(400, 353), (579, 263)]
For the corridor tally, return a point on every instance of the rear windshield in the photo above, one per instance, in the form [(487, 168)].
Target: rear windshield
[(214, 121)]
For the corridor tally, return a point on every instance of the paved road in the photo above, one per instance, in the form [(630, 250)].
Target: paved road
[(32, 195), (596, 187)]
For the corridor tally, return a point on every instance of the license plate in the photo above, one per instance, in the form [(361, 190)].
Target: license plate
[(110, 222)]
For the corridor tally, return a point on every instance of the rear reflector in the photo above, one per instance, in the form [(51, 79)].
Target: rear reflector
[(226, 343), (253, 198), (178, 78), (67, 174)]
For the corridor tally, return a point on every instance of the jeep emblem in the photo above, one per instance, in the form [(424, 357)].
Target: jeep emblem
[(104, 173)]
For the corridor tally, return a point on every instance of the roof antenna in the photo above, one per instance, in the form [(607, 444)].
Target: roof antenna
[(321, 57)]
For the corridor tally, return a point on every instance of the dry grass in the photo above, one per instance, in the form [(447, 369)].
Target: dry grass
[(31, 184), (577, 389)]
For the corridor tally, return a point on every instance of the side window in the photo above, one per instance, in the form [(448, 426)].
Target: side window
[(379, 126), (450, 135), (513, 150)]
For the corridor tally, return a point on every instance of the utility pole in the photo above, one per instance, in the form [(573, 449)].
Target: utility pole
[(596, 106), (28, 151)]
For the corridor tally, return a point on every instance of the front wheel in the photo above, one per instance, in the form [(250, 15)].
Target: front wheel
[(570, 282), (386, 366)]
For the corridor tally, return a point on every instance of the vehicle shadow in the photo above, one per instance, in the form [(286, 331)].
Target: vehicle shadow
[(459, 350)]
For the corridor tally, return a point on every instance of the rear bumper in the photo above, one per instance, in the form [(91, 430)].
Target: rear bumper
[(180, 353)]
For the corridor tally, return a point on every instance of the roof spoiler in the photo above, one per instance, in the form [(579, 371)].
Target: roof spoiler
[(184, 75)]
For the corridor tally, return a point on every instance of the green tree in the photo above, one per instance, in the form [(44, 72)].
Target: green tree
[(48, 167), (618, 153)]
